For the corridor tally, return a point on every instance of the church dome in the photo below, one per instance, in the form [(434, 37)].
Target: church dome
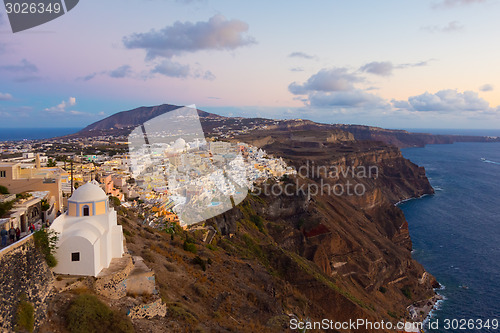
[(89, 192), (88, 200)]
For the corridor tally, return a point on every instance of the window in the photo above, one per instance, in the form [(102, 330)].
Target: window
[(86, 210), (3, 174), (75, 256)]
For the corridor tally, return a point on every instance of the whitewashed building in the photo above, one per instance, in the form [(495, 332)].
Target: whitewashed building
[(89, 236)]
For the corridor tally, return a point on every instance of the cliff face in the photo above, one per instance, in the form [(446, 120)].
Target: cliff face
[(404, 139), (359, 242)]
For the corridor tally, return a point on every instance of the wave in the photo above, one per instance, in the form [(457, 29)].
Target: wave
[(405, 200), (488, 161), (437, 306)]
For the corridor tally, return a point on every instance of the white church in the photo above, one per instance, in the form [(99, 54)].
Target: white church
[(89, 236)]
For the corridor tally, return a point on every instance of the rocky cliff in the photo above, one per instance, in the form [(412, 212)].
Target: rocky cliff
[(404, 139), (359, 242), (25, 274)]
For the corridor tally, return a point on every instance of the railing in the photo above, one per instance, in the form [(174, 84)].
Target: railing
[(15, 245)]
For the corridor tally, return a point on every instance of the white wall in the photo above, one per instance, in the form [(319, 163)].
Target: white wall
[(86, 265)]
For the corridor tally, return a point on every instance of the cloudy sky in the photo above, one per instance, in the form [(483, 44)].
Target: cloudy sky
[(390, 63)]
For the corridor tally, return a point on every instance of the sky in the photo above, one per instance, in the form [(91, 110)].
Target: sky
[(388, 63)]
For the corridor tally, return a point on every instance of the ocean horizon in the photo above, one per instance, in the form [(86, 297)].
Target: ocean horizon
[(36, 133)]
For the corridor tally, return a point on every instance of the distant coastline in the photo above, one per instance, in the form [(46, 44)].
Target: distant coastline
[(456, 131), (19, 134)]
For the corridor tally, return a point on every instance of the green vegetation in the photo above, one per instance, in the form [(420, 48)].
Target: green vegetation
[(4, 190), (170, 229), (198, 261), (45, 242), (5, 207), (257, 199), (255, 249), (23, 195), (407, 292), (114, 201), (127, 233), (189, 247), (45, 205), (25, 315), (87, 314), (51, 163), (211, 247), (178, 312), (258, 221), (251, 218), (245, 208), (312, 270)]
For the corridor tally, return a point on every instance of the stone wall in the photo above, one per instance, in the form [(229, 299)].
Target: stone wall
[(23, 270), (113, 285), (150, 310)]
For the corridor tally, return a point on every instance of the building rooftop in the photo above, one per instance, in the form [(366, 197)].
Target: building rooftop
[(7, 197), (88, 192)]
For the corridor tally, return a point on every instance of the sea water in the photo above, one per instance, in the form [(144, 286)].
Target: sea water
[(17, 134), (456, 232)]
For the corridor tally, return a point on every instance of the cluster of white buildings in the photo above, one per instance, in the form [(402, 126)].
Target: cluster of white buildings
[(202, 179), (237, 126)]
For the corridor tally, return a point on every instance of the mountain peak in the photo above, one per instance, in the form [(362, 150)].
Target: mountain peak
[(132, 118)]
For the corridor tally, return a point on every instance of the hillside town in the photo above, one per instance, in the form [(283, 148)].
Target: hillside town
[(138, 191), (183, 183)]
